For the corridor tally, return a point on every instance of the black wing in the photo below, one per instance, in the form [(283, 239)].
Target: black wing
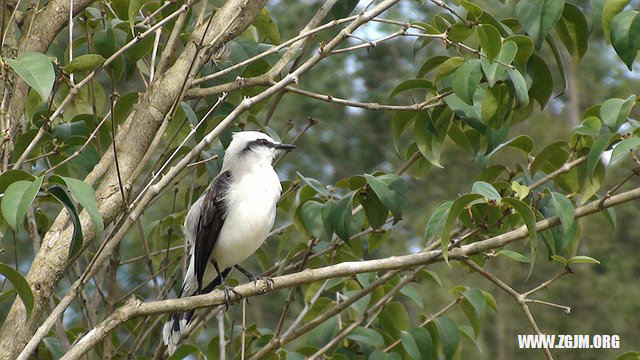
[(212, 215)]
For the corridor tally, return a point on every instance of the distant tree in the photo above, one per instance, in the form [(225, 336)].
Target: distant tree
[(115, 109)]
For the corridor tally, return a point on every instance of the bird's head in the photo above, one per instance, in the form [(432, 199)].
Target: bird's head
[(248, 147)]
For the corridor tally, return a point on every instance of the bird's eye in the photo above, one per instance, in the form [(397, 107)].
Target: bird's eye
[(263, 142)]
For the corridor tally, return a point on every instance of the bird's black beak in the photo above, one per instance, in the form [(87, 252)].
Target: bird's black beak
[(285, 147)]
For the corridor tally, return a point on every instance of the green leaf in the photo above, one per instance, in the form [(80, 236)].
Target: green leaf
[(449, 335), (624, 147), (589, 126), (7, 294), (20, 285), (598, 147), (312, 218), (29, 195), (520, 190), (609, 10), (448, 67), (476, 299), (65, 199), (10, 176), (538, 17), (520, 85), (424, 342), (525, 49), (184, 351), (410, 346), (466, 79), (366, 336), (436, 221), (514, 255), (410, 85), (573, 30), (487, 190), (375, 210), (394, 199), (542, 84), (134, 7), (560, 259), (413, 294), (84, 63), (529, 218), (427, 142), (558, 57), (564, 209), (490, 41), (84, 194), (315, 185), (614, 112), (36, 70), (11, 200), (456, 208), (265, 24), (521, 142), (625, 36), (494, 71), (340, 216), (431, 64), (582, 259)]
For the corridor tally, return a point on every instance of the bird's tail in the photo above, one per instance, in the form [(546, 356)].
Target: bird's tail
[(177, 323)]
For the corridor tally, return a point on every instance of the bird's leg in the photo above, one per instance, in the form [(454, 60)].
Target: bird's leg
[(228, 289), (254, 278)]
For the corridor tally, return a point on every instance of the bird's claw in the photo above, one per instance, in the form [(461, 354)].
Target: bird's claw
[(228, 289)]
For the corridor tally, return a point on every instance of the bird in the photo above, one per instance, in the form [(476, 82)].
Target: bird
[(229, 221)]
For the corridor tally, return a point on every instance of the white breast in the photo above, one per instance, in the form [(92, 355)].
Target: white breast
[(251, 210)]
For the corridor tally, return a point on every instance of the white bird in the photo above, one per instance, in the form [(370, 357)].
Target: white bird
[(230, 221)]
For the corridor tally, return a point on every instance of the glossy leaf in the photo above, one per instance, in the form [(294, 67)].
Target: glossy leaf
[(84, 194), (315, 185), (77, 238), (525, 49), (466, 79), (367, 336), (428, 143), (448, 334), (600, 145), (542, 85), (538, 17), (625, 36), (564, 209), (410, 346), (589, 126), (490, 41), (573, 30), (410, 85), (582, 259), (84, 63), (624, 147), (456, 208), (11, 202), (494, 71), (340, 216), (529, 219), (610, 9), (394, 198), (267, 26), (614, 112), (514, 255), (436, 221), (520, 85), (487, 190), (36, 70), (20, 285)]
